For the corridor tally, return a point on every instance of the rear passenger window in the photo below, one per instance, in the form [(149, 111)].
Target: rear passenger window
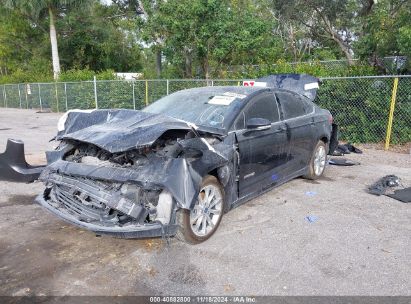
[(292, 105), (308, 105), (263, 106)]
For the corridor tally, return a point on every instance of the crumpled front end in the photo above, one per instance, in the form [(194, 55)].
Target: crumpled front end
[(119, 209), (133, 193)]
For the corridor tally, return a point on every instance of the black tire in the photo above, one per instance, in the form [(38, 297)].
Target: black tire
[(185, 230), (312, 173)]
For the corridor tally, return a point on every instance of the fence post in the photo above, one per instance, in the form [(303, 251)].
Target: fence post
[(167, 86), (41, 104), (18, 86), (65, 93), (4, 96), (57, 97), (134, 97), (95, 92), (25, 92), (391, 114), (146, 101)]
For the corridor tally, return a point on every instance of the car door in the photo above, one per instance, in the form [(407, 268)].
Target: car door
[(297, 115), (263, 152)]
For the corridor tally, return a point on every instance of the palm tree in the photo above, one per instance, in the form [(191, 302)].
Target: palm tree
[(35, 9)]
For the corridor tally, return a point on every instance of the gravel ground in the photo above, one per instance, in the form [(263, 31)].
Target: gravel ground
[(359, 245)]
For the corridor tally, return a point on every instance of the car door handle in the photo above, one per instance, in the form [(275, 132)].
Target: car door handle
[(283, 128)]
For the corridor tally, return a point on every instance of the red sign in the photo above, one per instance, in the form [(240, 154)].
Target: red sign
[(248, 83)]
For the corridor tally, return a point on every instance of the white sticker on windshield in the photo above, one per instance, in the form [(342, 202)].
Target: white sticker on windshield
[(221, 100), (236, 95), (310, 86)]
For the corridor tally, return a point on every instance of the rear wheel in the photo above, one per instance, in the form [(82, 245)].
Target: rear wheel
[(200, 223), (317, 162)]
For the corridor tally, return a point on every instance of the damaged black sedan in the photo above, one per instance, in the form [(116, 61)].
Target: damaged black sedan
[(178, 165)]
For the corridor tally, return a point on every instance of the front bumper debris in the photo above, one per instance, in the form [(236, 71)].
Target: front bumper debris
[(13, 165), (105, 208), (126, 231), (333, 139)]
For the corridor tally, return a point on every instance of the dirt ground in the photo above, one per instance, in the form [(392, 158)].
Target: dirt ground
[(359, 244)]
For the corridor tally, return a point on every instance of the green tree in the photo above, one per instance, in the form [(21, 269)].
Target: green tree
[(38, 10), (386, 31), (96, 38), (203, 35), (326, 21)]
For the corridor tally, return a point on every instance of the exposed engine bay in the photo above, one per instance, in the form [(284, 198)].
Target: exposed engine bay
[(108, 202)]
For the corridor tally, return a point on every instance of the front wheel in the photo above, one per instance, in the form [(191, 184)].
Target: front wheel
[(317, 162), (200, 223)]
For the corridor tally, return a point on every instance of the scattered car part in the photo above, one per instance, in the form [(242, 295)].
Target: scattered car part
[(343, 149), (403, 195), (380, 187), (13, 165), (337, 153), (351, 148), (346, 149), (334, 138), (342, 162)]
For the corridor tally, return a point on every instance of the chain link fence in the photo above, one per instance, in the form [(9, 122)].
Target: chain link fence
[(361, 106)]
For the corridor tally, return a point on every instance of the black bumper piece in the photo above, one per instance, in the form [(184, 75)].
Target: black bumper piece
[(13, 165), (333, 139), (128, 232)]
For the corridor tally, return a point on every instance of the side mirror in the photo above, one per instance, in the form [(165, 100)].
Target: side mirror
[(258, 124)]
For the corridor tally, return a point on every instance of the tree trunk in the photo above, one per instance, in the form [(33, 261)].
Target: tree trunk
[(54, 47), (188, 66), (158, 63), (346, 50), (206, 68)]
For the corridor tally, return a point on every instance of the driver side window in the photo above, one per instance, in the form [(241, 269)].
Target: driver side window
[(262, 106)]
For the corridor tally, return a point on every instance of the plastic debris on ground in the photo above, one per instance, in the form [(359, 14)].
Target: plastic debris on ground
[(346, 149), (403, 195), (311, 218), (342, 162), (310, 193), (380, 187), (386, 186)]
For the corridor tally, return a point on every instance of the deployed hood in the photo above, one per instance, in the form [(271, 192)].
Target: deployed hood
[(303, 84), (117, 130)]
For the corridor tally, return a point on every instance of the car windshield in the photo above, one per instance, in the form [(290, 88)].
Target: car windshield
[(208, 106)]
